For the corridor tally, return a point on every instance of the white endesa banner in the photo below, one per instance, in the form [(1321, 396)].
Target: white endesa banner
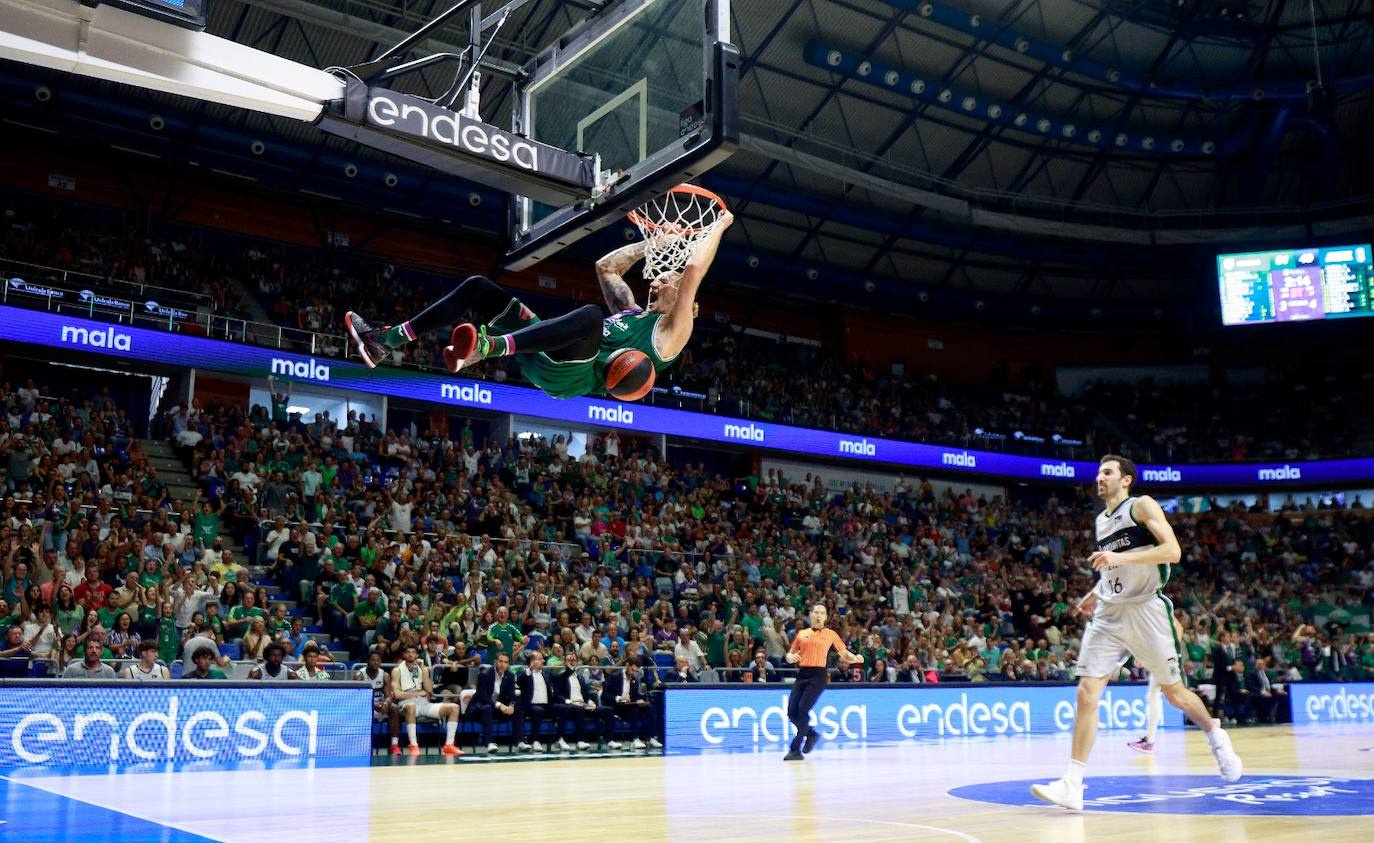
[(700, 719), (59, 725)]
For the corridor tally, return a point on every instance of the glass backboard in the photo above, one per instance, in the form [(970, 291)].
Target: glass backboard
[(648, 86)]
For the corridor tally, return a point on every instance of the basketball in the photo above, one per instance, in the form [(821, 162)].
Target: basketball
[(630, 375)]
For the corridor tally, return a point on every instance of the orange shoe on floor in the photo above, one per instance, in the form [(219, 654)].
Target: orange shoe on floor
[(450, 749), (414, 750)]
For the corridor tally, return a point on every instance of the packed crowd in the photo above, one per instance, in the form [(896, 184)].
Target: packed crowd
[(739, 374), (469, 550), (114, 250), (1200, 422)]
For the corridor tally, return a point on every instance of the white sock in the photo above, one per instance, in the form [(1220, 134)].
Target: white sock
[(395, 741), (1215, 736), (1154, 709), (1075, 774), (410, 733), (450, 729)]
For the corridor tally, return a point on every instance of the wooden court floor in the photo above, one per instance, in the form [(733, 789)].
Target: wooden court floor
[(878, 793)]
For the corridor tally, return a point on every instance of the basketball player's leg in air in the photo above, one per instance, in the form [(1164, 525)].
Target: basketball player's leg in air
[(573, 336), (1154, 715)]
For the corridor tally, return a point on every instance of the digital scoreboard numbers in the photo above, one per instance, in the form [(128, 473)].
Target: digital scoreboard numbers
[(1296, 285)]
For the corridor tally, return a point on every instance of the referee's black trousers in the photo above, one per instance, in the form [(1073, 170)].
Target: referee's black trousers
[(811, 681)]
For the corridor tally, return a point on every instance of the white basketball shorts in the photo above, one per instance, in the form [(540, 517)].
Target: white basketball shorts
[(1142, 629)]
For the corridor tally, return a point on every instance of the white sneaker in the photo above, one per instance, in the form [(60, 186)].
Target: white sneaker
[(637, 744), (655, 743), (523, 747), (538, 747), (1059, 793), (491, 749), (563, 746), (583, 746), (614, 745), (1227, 759)]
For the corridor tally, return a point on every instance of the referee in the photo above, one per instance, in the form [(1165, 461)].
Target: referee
[(810, 649)]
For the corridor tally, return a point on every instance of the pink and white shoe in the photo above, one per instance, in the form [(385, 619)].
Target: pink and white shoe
[(365, 337), (1142, 745)]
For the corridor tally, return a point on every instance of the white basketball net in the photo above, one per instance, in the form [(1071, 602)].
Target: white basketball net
[(673, 225)]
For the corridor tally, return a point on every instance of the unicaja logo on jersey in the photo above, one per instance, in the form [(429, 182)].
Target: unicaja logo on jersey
[(747, 432), (164, 735), (469, 393), (310, 369), (1161, 475), (1286, 472), (95, 338), (616, 415), (862, 447), (1063, 469), (962, 459)]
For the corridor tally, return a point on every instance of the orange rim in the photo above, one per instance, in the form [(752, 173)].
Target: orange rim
[(690, 189)]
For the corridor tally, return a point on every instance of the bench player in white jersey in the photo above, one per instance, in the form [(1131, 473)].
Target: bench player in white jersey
[(1131, 617), (384, 709), (146, 669), (412, 687)]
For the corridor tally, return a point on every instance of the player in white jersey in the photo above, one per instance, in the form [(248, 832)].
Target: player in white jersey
[(146, 669), (412, 687), (1130, 617), (383, 707)]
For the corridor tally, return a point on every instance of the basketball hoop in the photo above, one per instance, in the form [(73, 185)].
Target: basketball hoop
[(674, 224)]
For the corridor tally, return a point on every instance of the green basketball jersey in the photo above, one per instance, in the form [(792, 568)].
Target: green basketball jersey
[(573, 378)]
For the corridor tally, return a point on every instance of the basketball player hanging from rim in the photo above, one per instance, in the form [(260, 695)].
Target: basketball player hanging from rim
[(1136, 548), (582, 352), (810, 651)]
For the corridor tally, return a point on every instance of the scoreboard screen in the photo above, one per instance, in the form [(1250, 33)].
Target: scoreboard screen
[(1296, 285), (190, 14)]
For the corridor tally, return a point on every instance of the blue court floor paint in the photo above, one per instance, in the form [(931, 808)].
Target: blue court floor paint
[(1258, 796), (34, 815)]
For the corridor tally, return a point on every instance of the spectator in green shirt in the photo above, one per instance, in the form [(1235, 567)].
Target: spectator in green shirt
[(715, 644), (280, 400), (206, 524), (241, 616), (504, 637), (204, 669), (369, 611)]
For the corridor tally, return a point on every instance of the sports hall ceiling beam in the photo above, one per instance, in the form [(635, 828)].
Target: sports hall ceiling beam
[(830, 91), (347, 24)]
